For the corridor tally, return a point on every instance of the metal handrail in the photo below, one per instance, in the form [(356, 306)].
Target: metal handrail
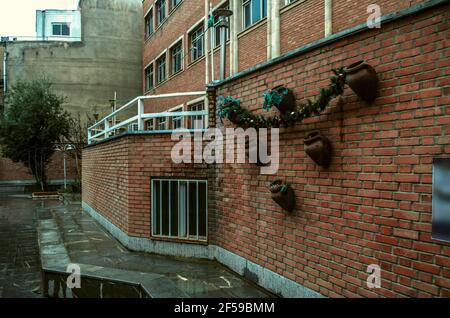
[(141, 115)]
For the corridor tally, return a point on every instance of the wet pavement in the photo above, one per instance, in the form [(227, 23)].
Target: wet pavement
[(69, 235), (20, 275)]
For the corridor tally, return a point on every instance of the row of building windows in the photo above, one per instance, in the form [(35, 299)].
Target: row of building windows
[(161, 10), (179, 122), (253, 11), (175, 56)]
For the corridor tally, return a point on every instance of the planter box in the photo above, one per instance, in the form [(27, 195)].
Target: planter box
[(45, 195)]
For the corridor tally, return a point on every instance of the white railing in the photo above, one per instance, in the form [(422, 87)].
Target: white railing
[(109, 126)]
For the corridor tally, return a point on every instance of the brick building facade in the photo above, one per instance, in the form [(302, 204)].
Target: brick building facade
[(372, 205)]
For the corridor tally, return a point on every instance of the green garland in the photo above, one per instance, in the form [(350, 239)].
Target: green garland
[(244, 118), (274, 97)]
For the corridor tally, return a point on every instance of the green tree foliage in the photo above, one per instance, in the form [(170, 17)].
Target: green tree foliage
[(33, 122)]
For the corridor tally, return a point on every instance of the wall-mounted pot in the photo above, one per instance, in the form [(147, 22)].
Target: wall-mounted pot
[(362, 79), (318, 148), (281, 97), (283, 195)]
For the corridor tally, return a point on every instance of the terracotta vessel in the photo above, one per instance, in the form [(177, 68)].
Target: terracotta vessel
[(283, 195), (288, 102), (318, 148), (363, 80)]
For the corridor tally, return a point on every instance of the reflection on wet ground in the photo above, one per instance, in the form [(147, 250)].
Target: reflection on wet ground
[(67, 231), (20, 274)]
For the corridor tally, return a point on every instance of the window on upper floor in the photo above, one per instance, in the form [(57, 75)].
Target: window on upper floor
[(160, 6), (177, 121), (149, 79), (197, 38), (150, 124), (174, 4), (176, 58), (197, 121), (149, 24), (217, 31), (253, 11), (61, 29), (161, 69), (287, 2), (161, 123)]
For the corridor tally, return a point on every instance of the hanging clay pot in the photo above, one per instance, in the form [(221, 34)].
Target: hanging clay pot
[(362, 79), (287, 103), (318, 148), (283, 195), (233, 118)]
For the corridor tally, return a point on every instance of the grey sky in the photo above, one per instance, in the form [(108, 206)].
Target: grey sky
[(18, 17)]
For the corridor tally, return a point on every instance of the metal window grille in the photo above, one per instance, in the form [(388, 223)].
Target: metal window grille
[(180, 209)]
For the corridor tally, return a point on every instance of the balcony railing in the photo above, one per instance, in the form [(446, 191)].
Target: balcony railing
[(135, 121)]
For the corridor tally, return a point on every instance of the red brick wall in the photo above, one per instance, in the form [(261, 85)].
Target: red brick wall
[(105, 181), (117, 174), (348, 13), (373, 204), (301, 24), (252, 46), (10, 171), (187, 15)]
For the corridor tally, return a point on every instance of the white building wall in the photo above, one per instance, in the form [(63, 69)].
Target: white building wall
[(46, 18)]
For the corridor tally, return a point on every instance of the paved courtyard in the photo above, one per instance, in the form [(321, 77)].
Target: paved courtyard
[(67, 235), (20, 274)]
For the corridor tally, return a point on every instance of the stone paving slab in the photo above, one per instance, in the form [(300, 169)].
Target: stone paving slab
[(20, 268), (72, 236)]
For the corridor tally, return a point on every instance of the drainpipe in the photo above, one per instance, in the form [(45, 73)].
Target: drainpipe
[(207, 43), (5, 58), (273, 29), (328, 17)]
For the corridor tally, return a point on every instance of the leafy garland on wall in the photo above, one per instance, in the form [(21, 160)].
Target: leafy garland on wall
[(230, 108)]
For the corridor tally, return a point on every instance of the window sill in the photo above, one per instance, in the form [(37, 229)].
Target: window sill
[(175, 74), (171, 12), (252, 27), (217, 48), (291, 6), (191, 64), (178, 240)]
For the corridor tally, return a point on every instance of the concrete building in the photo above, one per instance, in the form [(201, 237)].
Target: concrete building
[(107, 59), (58, 25), (371, 206)]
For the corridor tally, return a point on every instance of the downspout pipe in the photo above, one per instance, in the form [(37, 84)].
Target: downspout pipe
[(5, 59)]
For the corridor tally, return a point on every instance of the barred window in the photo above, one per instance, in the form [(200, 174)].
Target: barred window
[(179, 208)]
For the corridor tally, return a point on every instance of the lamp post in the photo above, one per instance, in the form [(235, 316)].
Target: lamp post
[(223, 25), (64, 148)]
